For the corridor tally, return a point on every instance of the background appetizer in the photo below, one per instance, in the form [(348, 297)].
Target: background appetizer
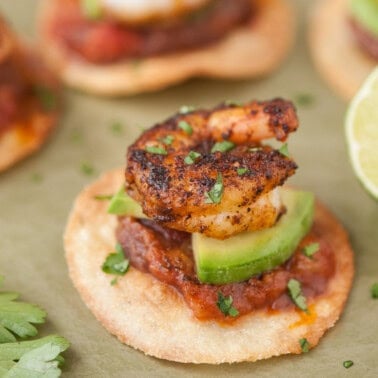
[(344, 42), (28, 99), (122, 47), (209, 252)]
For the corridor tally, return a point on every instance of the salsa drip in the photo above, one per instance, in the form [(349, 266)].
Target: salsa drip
[(167, 255), (106, 40), (366, 39)]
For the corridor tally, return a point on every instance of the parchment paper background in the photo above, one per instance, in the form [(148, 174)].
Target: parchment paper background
[(33, 215)]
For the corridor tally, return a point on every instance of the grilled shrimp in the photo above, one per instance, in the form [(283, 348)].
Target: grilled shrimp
[(207, 171)]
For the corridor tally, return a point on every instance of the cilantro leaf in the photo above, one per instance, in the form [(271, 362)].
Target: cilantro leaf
[(87, 168), (241, 171), (185, 109), (284, 150), (296, 295), (304, 99), (116, 263), (167, 140), (36, 358), (191, 157), (116, 128), (17, 318), (223, 146), (374, 290), (225, 305), (311, 249), (103, 197), (186, 127), (305, 345), (156, 150), (215, 194), (347, 364)]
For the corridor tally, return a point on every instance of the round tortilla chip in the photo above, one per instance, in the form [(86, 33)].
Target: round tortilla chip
[(151, 316), (336, 53), (250, 51), (29, 133)]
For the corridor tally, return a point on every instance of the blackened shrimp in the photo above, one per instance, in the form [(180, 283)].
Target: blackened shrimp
[(207, 171)]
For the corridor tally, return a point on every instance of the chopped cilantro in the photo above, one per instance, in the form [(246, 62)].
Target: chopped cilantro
[(311, 249), (103, 197), (191, 157), (374, 290), (185, 109), (233, 103), (167, 140), (242, 171), (215, 194), (116, 128), (46, 97), (347, 364), (114, 281), (156, 150), (91, 9), (305, 345), (36, 177), (255, 149), (225, 305), (186, 127), (116, 263), (296, 295), (87, 169), (304, 99), (17, 318), (284, 150), (223, 146)]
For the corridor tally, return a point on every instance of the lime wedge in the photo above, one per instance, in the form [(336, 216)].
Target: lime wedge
[(361, 127)]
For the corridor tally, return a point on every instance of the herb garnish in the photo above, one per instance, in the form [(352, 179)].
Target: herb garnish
[(242, 171), (36, 177), (296, 295), (167, 140), (185, 109), (116, 128), (347, 364), (311, 249), (156, 150), (46, 97), (103, 197), (35, 358), (374, 290), (76, 136), (87, 168), (284, 150), (225, 305), (304, 99), (223, 146), (91, 9), (215, 194), (305, 345), (116, 263), (186, 127), (191, 157)]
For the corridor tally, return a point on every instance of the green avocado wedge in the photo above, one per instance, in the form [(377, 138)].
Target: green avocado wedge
[(365, 12), (240, 257), (122, 204)]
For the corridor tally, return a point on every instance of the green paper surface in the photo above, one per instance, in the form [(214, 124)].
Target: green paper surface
[(34, 213)]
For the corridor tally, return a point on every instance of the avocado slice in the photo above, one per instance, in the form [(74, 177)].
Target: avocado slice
[(246, 254), (122, 204), (366, 13)]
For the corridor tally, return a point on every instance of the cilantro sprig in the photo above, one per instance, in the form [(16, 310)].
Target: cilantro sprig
[(296, 295), (223, 146), (216, 193), (116, 263), (374, 290), (191, 157), (39, 358), (225, 305), (186, 127), (284, 150), (311, 249), (305, 345)]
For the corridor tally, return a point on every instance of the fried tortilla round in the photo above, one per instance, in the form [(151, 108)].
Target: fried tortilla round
[(28, 133), (335, 51), (250, 51), (151, 316)]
